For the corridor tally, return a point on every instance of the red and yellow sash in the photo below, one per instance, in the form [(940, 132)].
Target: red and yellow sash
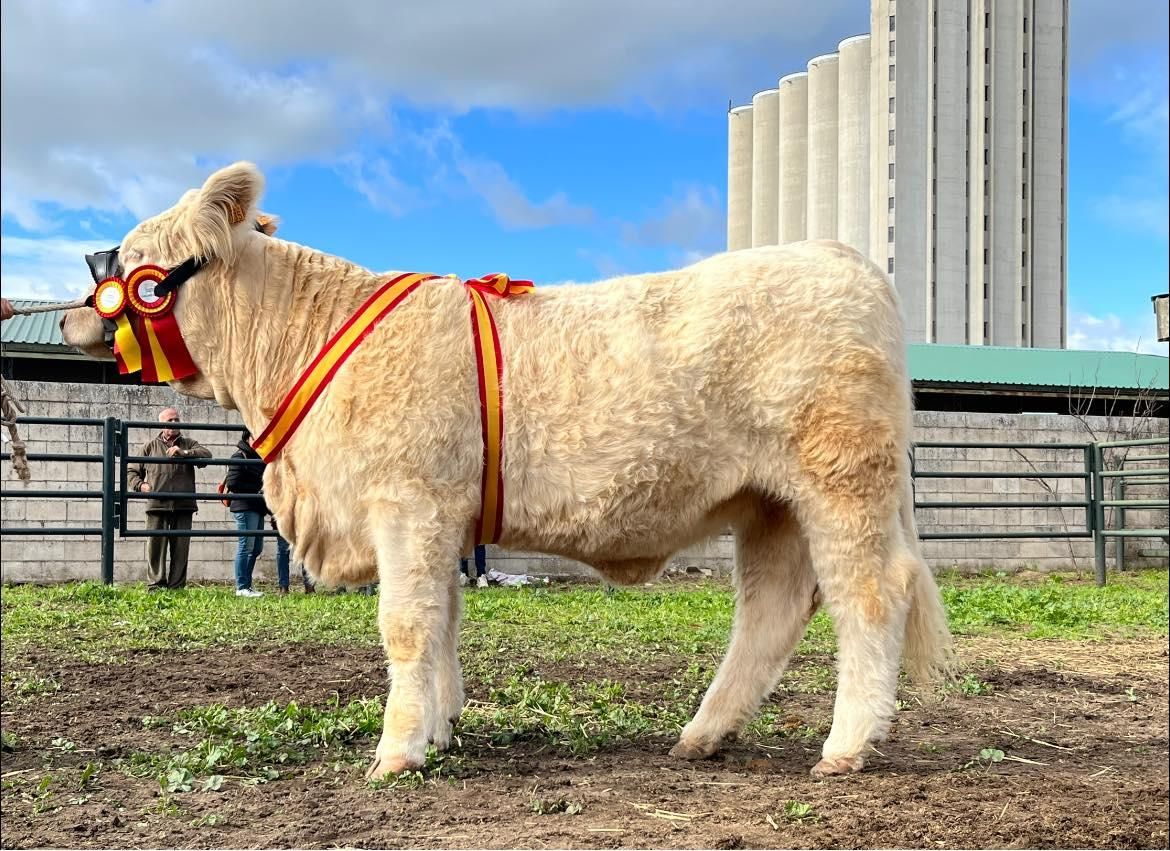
[(489, 366)]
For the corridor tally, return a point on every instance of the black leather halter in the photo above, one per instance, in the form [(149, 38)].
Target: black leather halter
[(105, 264)]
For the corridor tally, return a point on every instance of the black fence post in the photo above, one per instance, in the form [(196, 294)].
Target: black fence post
[(1098, 456), (109, 506)]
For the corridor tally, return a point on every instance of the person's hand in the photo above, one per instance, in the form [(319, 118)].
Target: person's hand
[(144, 487), (7, 311), (174, 452)]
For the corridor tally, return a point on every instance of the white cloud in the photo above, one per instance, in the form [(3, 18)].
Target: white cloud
[(46, 268), (508, 203), (692, 219), (375, 179), (138, 112), (1111, 333), (522, 54), (153, 95)]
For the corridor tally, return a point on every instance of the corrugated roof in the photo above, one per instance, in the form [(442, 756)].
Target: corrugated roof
[(1002, 365), (928, 362), (34, 329)]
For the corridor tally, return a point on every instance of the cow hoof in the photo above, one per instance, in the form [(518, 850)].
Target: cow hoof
[(692, 750), (387, 766), (442, 739), (838, 766)]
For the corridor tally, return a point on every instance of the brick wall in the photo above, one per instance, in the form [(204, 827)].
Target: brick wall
[(46, 559)]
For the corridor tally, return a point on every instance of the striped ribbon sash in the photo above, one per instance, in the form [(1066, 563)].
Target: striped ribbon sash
[(489, 367)]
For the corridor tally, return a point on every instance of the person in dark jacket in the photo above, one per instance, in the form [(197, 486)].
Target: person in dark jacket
[(249, 513), (168, 513)]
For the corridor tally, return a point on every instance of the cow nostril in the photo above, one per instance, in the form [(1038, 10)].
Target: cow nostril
[(62, 323)]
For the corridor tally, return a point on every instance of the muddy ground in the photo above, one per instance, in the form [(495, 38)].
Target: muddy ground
[(1082, 728)]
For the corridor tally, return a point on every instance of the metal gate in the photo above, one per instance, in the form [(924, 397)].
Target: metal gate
[(1094, 472)]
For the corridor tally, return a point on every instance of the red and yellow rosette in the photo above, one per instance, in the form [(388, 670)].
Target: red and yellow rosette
[(140, 291), (109, 302), (148, 338), (109, 298)]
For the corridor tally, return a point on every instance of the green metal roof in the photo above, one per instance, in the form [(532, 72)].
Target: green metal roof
[(34, 329), (1062, 368), (929, 362)]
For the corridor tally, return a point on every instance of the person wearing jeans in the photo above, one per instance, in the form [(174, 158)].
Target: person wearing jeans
[(249, 512), (283, 559), (480, 556), (248, 550)]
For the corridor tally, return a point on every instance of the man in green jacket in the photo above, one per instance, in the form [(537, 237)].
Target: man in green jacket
[(172, 514)]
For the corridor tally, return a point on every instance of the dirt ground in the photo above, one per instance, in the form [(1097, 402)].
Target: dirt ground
[(1082, 728)]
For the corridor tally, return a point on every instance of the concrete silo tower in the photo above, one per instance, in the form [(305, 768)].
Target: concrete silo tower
[(793, 156), (853, 120), (821, 222), (739, 178), (765, 150)]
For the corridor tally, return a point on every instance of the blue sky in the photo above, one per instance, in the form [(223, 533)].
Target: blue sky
[(554, 141)]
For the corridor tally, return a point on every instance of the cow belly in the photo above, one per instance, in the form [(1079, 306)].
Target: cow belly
[(630, 543)]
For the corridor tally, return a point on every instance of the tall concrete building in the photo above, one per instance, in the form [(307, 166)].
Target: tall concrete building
[(937, 145)]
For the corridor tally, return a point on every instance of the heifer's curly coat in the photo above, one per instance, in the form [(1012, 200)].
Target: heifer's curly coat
[(762, 390)]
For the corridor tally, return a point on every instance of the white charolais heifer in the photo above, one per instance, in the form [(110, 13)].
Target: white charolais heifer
[(762, 390)]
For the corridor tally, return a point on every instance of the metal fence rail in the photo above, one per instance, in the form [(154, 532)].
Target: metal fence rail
[(115, 495), (1094, 472), (1122, 479)]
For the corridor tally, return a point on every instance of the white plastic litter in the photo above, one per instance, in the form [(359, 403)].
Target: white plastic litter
[(509, 579)]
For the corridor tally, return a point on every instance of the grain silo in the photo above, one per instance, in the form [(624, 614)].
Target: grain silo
[(739, 178), (821, 222), (765, 150), (793, 99), (853, 122)]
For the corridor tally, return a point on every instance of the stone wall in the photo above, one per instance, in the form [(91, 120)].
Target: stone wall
[(56, 558)]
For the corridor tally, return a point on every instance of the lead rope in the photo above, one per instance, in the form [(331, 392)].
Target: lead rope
[(10, 408)]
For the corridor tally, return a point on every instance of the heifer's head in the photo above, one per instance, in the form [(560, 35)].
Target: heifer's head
[(167, 264)]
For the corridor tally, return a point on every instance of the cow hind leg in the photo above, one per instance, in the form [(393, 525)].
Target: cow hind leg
[(865, 574), (776, 596)]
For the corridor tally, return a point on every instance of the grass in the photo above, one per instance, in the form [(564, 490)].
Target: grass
[(511, 638), (1055, 607), (691, 619), (251, 744)]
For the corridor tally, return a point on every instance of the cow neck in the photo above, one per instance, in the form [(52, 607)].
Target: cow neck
[(277, 359)]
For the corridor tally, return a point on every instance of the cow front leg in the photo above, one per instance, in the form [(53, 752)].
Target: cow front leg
[(414, 613)]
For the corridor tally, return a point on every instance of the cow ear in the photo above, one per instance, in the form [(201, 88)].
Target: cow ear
[(267, 224), (226, 201)]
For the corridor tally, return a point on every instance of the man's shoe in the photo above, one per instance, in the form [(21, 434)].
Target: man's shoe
[(481, 582), (462, 579), (248, 592), (283, 592)]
